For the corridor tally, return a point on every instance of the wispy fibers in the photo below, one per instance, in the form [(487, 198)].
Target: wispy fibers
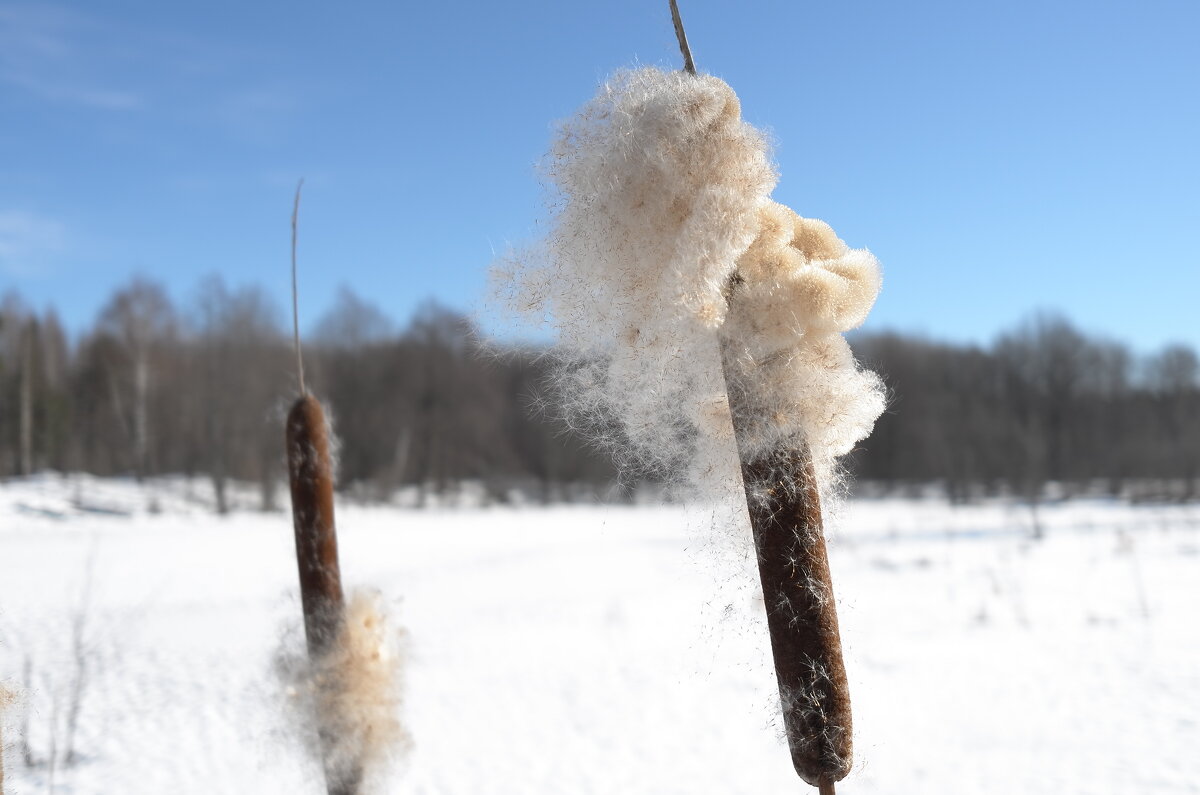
[(352, 693), (7, 699)]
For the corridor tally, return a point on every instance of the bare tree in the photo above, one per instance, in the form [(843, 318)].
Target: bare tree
[(1173, 377), (238, 380), (140, 319)]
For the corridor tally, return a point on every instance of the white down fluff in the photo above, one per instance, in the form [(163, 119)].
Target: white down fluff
[(664, 246)]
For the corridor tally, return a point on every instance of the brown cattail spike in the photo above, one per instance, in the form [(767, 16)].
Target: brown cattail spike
[(785, 516), (310, 471)]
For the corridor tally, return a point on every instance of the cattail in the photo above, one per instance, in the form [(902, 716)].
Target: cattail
[(310, 475), (785, 516), (704, 322), (310, 472), (349, 682)]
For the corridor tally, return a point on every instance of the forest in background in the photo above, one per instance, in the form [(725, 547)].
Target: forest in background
[(201, 390)]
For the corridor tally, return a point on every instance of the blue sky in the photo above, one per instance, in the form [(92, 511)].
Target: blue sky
[(999, 158)]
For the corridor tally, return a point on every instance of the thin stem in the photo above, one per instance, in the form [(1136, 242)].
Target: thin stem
[(296, 293), (689, 65), (825, 788)]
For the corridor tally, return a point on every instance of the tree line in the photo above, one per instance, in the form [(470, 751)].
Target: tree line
[(151, 388), (1045, 403)]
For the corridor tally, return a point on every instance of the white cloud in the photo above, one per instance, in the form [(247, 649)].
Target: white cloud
[(28, 241)]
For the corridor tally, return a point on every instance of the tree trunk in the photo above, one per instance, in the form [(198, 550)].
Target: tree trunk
[(26, 453), (141, 434)]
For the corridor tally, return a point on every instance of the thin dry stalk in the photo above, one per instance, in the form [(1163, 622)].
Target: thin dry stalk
[(296, 291), (689, 66)]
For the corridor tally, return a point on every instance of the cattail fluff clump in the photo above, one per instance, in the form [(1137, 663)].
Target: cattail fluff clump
[(352, 693), (665, 248), (798, 287), (8, 697)]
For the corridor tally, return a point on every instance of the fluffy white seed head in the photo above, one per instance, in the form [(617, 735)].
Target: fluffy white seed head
[(664, 249)]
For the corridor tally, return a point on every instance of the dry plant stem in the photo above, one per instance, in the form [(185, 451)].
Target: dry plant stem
[(825, 788), (310, 472), (689, 66), (785, 515), (296, 292)]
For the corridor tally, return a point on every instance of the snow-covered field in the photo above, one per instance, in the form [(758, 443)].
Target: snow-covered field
[(603, 649)]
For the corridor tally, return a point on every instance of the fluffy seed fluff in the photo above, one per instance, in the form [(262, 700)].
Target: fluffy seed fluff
[(8, 698), (665, 252), (352, 695)]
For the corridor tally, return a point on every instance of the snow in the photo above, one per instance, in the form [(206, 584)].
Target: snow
[(598, 649)]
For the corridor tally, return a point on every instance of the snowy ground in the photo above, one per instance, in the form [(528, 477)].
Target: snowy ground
[(603, 649)]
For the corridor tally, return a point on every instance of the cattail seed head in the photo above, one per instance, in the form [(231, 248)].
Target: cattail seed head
[(310, 475)]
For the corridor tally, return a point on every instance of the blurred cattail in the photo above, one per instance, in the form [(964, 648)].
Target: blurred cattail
[(7, 698), (349, 680), (353, 693), (310, 472), (310, 475)]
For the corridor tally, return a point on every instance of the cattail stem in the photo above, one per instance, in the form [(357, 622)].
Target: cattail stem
[(825, 788), (296, 292), (685, 49), (785, 516)]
